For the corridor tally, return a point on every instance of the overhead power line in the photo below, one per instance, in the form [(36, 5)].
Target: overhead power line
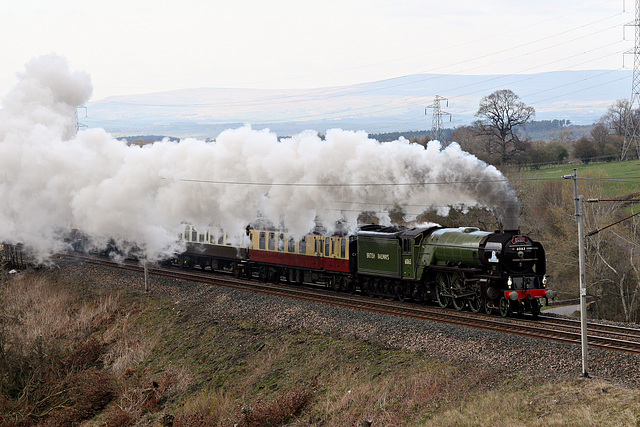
[(387, 184)]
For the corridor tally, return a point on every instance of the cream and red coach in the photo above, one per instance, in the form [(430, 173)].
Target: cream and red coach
[(315, 258)]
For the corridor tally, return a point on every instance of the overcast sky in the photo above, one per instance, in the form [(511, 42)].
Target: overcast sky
[(141, 46)]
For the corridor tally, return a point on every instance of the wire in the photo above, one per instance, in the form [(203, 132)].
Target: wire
[(501, 34), (402, 104), (379, 184), (279, 99), (304, 184)]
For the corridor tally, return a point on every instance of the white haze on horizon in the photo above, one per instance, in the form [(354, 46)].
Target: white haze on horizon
[(53, 180)]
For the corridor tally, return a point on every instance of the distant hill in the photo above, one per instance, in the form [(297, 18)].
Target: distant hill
[(377, 107), (147, 138)]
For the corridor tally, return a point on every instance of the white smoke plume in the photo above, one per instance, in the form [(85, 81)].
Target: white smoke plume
[(53, 180)]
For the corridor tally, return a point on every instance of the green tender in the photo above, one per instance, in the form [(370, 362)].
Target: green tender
[(379, 254)]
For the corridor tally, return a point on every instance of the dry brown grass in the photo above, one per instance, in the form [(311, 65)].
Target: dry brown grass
[(129, 360), (279, 410), (126, 346), (217, 407), (578, 403), (58, 368)]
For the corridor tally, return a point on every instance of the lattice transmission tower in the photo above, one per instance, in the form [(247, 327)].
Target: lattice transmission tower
[(436, 128), (632, 121)]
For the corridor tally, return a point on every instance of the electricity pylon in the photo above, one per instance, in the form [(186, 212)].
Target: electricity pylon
[(632, 121), (437, 116)]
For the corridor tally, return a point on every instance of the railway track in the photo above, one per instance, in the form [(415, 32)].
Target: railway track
[(608, 337)]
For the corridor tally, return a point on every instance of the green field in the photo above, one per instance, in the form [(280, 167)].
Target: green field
[(617, 178)]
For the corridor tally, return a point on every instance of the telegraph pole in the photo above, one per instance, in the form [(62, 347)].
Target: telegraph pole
[(632, 122), (437, 116), (579, 214)]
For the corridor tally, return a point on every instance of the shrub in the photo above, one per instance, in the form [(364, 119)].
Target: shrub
[(278, 411)]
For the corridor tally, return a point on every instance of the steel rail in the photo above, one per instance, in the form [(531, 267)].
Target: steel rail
[(549, 328)]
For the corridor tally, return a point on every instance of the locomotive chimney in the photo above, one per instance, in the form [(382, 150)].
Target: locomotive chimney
[(510, 217)]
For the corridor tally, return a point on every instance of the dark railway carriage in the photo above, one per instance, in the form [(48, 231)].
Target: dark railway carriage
[(206, 250)]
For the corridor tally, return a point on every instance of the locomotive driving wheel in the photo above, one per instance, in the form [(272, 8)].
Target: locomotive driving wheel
[(457, 288), (443, 289), (476, 303)]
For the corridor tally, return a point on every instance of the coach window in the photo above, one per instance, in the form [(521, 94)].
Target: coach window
[(272, 241), (280, 242), (201, 238), (261, 244), (194, 235), (221, 240), (292, 245), (343, 247), (302, 247)]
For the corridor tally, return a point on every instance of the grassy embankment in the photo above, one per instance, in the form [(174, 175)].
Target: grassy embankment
[(70, 352)]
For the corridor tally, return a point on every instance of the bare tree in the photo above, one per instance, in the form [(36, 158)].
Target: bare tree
[(613, 263), (612, 255), (617, 116), (500, 114)]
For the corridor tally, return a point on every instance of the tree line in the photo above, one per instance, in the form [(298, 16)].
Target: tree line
[(499, 135)]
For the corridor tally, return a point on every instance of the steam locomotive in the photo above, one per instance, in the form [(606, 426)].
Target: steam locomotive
[(501, 272)]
